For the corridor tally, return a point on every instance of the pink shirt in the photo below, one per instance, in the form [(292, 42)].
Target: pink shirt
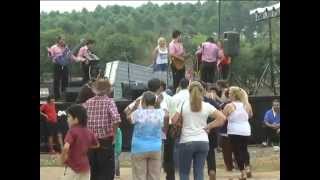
[(176, 48), (210, 52), (55, 51), (83, 52)]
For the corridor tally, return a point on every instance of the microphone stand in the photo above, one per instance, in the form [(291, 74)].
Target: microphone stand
[(125, 56)]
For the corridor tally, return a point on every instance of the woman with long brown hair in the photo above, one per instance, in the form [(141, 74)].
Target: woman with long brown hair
[(238, 113), (194, 142)]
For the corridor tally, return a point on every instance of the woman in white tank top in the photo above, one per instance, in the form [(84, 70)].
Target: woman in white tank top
[(160, 58), (238, 113)]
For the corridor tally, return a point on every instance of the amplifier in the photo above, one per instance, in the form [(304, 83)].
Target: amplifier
[(134, 90), (72, 93)]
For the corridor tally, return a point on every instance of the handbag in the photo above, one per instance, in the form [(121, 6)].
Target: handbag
[(177, 121)]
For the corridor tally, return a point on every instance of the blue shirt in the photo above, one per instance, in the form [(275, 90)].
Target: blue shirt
[(270, 118), (147, 130)]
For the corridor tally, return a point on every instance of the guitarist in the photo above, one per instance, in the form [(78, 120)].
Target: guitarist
[(177, 53), (83, 57)]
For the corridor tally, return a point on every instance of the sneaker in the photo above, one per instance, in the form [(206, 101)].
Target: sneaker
[(276, 148), (264, 144), (219, 149)]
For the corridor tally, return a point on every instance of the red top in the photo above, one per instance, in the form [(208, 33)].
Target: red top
[(225, 59), (50, 111), (80, 140)]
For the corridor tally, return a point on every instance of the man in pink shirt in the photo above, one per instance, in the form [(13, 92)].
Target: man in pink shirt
[(83, 57), (209, 58), (60, 73), (176, 50)]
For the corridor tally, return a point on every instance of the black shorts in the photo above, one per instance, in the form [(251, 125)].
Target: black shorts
[(52, 129), (63, 126)]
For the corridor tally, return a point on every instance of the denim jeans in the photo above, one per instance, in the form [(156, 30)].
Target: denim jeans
[(197, 152)]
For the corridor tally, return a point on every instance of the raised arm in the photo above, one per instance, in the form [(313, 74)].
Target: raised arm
[(228, 109), (131, 108)]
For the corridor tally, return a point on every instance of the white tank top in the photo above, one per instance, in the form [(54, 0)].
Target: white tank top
[(238, 121), (162, 57)]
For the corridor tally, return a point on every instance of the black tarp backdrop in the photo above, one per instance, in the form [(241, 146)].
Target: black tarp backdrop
[(260, 105)]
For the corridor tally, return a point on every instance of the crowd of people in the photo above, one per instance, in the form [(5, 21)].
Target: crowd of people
[(174, 129), (206, 112)]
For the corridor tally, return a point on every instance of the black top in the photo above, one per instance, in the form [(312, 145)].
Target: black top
[(84, 94), (223, 129), (213, 133)]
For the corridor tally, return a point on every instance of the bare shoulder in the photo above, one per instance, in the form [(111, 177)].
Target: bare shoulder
[(229, 106)]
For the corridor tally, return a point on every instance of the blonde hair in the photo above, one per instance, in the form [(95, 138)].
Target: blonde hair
[(161, 39), (196, 96), (239, 94)]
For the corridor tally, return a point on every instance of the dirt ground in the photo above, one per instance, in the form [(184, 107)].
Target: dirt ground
[(55, 173), (265, 166)]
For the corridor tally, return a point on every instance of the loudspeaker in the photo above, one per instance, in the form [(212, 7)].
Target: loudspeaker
[(231, 43), (133, 91)]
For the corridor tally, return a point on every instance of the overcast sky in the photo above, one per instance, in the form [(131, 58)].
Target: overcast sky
[(68, 6)]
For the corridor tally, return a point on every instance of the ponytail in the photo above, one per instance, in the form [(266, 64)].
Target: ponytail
[(196, 96)]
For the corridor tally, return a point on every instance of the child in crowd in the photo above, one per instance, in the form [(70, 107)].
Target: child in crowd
[(77, 142), (48, 110), (117, 151)]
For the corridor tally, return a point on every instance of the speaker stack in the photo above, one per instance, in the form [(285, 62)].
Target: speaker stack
[(231, 43)]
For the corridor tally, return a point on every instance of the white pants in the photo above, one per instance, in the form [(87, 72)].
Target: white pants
[(71, 175)]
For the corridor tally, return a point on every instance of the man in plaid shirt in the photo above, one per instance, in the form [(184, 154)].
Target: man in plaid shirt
[(103, 120)]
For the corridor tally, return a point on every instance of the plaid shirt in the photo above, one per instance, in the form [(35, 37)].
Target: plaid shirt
[(102, 114)]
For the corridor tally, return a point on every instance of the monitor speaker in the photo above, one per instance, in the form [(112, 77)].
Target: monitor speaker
[(133, 91)]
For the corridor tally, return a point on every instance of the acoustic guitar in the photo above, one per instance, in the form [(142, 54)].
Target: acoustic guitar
[(179, 63)]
